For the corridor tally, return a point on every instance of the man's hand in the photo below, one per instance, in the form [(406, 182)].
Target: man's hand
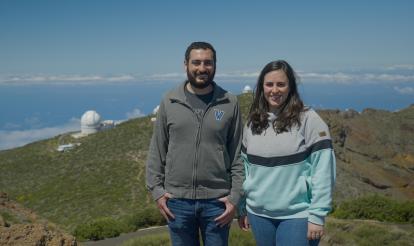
[(227, 216), (244, 223), (315, 231), (162, 206)]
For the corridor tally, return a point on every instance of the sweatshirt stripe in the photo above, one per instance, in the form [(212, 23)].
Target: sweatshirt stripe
[(289, 159)]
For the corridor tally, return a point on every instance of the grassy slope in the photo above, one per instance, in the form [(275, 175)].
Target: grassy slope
[(104, 176)]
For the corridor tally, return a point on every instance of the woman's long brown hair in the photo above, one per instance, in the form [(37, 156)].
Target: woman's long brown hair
[(289, 111)]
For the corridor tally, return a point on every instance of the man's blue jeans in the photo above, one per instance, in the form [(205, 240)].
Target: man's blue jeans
[(193, 217), (271, 232)]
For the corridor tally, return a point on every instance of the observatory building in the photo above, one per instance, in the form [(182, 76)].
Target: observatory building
[(154, 112), (247, 89), (90, 122)]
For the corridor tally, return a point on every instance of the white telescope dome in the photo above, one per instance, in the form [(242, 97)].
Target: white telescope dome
[(90, 122), (155, 111), (247, 89)]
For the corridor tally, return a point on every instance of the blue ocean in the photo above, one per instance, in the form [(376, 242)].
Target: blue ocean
[(25, 108)]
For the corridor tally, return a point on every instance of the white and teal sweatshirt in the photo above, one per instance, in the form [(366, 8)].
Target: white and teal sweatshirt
[(290, 174)]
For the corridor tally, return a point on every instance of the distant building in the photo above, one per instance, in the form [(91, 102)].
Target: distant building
[(107, 124), (66, 147), (90, 122), (247, 89), (154, 112)]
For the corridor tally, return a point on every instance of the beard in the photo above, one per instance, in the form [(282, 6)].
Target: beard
[(200, 85)]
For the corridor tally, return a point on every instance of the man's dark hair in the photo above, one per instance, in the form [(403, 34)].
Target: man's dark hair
[(199, 45)]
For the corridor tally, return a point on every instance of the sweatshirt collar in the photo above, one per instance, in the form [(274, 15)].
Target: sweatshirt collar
[(271, 116), (179, 94)]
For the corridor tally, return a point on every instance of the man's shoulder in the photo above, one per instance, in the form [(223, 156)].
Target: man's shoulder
[(225, 94), (172, 93)]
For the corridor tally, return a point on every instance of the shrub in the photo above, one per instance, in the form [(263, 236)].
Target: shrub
[(109, 227), (146, 217), (100, 229), (377, 208)]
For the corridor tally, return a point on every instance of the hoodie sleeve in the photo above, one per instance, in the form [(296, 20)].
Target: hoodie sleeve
[(323, 171), (233, 146), (155, 167)]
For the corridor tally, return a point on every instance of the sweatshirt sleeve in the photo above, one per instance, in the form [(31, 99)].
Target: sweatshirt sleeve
[(155, 166), (233, 146), (241, 207), (323, 172)]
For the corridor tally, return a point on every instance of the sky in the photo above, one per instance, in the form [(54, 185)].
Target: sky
[(59, 58)]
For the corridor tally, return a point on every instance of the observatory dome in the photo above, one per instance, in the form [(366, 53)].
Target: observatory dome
[(90, 122), (155, 111), (247, 89)]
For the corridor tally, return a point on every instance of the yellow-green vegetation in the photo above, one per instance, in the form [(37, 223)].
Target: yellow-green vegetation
[(8, 217), (161, 239), (338, 232), (107, 227), (100, 229), (103, 177), (237, 237), (376, 207), (360, 232), (245, 102)]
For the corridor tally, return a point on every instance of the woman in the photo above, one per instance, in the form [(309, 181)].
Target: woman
[(289, 163)]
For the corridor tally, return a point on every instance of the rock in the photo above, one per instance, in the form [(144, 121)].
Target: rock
[(34, 234), (26, 229)]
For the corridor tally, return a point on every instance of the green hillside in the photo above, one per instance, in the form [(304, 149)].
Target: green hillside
[(104, 176)]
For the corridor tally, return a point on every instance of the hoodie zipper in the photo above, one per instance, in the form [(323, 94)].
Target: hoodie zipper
[(198, 139)]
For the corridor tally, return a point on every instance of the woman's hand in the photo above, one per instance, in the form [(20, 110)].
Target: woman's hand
[(244, 223), (315, 231)]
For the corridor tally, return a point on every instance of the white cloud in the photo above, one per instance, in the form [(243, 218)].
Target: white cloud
[(12, 139), (66, 79), (167, 76), (135, 113), (238, 74), (11, 126), (404, 90), (401, 67), (371, 78), (121, 78), (391, 74), (327, 77)]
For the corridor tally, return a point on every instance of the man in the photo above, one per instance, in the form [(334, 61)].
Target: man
[(193, 170)]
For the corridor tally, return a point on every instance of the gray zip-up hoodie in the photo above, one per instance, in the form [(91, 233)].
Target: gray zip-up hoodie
[(192, 158)]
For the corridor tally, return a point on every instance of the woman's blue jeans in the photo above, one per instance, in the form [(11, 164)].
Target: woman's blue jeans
[(271, 232), (193, 217)]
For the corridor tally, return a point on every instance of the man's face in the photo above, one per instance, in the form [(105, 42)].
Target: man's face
[(200, 68)]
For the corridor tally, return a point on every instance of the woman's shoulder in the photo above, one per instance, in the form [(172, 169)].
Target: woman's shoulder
[(309, 115)]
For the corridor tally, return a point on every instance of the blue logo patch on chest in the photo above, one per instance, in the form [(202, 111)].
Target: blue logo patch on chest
[(218, 114)]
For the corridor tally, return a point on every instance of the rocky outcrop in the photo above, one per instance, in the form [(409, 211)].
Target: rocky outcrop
[(34, 234), (21, 226), (374, 150)]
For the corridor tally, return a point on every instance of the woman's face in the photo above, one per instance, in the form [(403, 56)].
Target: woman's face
[(275, 89)]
